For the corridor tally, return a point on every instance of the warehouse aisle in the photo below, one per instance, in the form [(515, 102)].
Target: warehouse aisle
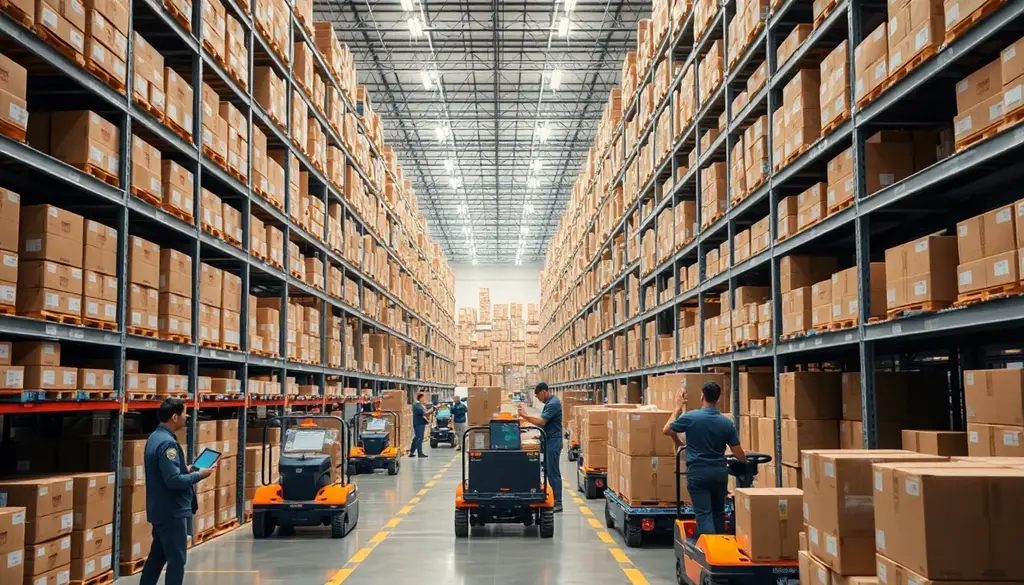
[(405, 532)]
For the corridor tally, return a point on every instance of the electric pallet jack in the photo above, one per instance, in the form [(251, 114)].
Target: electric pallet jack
[(719, 559), (591, 481), (373, 449), (573, 453), (441, 431), (306, 494), (505, 483)]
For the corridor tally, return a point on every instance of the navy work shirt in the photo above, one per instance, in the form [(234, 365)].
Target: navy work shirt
[(419, 416), (170, 486), (552, 412), (708, 432), (458, 413)]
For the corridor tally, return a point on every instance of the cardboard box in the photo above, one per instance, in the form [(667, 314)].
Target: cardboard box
[(915, 505), (93, 500), (995, 396), (768, 522), (143, 262), (83, 569), (810, 395), (51, 233), (136, 537), (36, 353), (994, 440), (12, 533), (800, 435), (979, 86), (640, 433), (47, 556), (175, 272), (91, 542), (644, 478), (86, 138), (946, 443)]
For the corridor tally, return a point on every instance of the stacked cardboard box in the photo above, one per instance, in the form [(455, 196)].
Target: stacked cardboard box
[(755, 154), (92, 535), (12, 543), (767, 527), (211, 284), (144, 281), (921, 273), (871, 63), (1012, 77), (177, 187), (810, 409), (178, 93), (50, 262), (713, 198), (995, 412), (40, 362), (205, 518), (802, 111), (148, 88), (106, 43), (756, 390), (215, 128), (484, 311), (270, 94), (174, 312), (904, 400), (833, 94), (797, 276), (48, 504), (227, 472), (13, 92), (987, 251), (945, 443), (10, 217), (214, 27), (268, 325), (792, 42), (641, 458), (979, 103), (238, 54)]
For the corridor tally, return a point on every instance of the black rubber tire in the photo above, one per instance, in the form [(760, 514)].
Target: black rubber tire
[(570, 456), (262, 525), (433, 443), (338, 525), (353, 469), (633, 535), (609, 522), (286, 531), (680, 580), (461, 522), (547, 523), (591, 491), (393, 468)]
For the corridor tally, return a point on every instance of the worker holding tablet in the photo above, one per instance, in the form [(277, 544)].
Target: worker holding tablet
[(170, 495)]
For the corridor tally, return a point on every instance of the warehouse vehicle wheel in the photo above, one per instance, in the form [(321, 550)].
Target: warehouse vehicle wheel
[(547, 523), (286, 530), (462, 523), (634, 536), (262, 525), (393, 468), (353, 469), (591, 492), (433, 443), (608, 522), (679, 573), (338, 525)]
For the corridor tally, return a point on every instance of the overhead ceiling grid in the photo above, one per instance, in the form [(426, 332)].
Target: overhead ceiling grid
[(491, 106)]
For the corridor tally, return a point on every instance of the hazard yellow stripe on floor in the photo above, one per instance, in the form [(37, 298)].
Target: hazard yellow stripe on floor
[(379, 537), (586, 511), (438, 476), (605, 537), (339, 577), (635, 577), (577, 500), (620, 556), (431, 484), (392, 523), (361, 555), (414, 501), (421, 493), (594, 522), (405, 510)]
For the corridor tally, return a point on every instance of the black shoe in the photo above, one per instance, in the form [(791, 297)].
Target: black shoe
[(558, 509), (421, 455)]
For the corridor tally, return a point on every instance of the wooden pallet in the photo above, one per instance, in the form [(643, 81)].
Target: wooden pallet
[(215, 157), (973, 19), (233, 241), (7, 310), (178, 15), (238, 79), (705, 222), (818, 20), (99, 173), (916, 309), (786, 161), (988, 294), (75, 395), (17, 14), (132, 567), (209, 343), (185, 217), (62, 46), (792, 336), (103, 579), (978, 137), (228, 526), (142, 332), (99, 324), (147, 196), (840, 324), (222, 397), (1012, 119), (911, 63), (175, 337), (208, 228), (230, 347), (150, 108), (237, 174), (55, 317), (11, 131), (114, 83), (873, 94), (831, 126), (834, 209)]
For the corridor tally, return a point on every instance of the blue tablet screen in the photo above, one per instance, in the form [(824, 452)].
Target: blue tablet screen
[(208, 458)]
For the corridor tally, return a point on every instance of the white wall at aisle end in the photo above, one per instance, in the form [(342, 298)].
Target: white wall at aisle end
[(508, 283)]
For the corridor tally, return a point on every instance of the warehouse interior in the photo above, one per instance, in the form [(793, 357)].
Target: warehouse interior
[(299, 219)]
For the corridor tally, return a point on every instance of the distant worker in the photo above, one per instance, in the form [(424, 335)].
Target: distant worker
[(708, 433), (458, 411), (550, 420), (420, 410), (170, 495)]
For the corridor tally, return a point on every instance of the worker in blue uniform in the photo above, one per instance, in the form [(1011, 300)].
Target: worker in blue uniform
[(550, 420), (458, 410), (170, 495), (707, 433), (420, 410)]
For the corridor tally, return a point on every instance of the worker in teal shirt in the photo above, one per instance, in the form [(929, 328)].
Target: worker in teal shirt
[(707, 433), (420, 410), (458, 410), (550, 420)]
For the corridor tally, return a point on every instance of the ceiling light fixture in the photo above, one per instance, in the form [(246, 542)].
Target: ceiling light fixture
[(415, 27), (427, 82), (537, 165), (543, 132), (564, 26), (570, 5), (407, 5), (474, 261), (528, 209), (449, 166), (532, 183), (525, 230), (556, 79)]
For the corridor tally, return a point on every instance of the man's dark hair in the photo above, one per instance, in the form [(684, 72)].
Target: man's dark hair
[(540, 387), (419, 395), (711, 391), (170, 407)]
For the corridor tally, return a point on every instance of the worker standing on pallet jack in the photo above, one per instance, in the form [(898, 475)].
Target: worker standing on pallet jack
[(550, 420), (170, 495), (708, 433)]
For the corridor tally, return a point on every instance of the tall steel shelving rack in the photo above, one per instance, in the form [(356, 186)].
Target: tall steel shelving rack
[(931, 200), (55, 83)]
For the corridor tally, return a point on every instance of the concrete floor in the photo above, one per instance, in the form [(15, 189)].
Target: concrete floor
[(405, 535)]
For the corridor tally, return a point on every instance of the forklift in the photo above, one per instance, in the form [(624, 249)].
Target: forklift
[(718, 558), (441, 431), (505, 483), (306, 494), (373, 449)]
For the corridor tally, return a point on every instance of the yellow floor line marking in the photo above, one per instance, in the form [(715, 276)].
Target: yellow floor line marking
[(577, 500), (438, 476), (605, 537), (431, 484), (379, 537), (421, 493), (339, 577), (361, 555), (586, 511), (415, 500), (619, 555), (594, 522), (392, 523), (635, 577), (571, 493), (405, 510)]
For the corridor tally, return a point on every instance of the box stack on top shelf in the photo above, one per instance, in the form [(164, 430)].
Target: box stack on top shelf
[(772, 240), (497, 347)]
